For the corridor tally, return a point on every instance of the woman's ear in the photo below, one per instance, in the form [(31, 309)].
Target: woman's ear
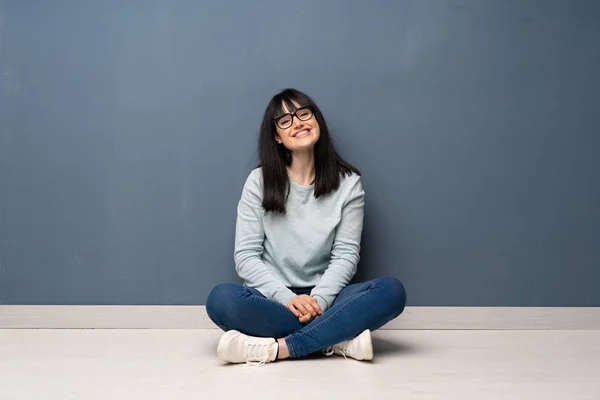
[(278, 139)]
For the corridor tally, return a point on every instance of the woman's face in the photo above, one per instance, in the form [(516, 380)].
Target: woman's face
[(297, 132)]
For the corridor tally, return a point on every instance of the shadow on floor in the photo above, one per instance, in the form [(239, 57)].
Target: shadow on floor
[(393, 347), (382, 347)]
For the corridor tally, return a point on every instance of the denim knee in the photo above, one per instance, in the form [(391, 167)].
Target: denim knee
[(219, 300), (394, 295)]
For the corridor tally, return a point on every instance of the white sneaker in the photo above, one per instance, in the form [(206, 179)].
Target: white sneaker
[(359, 348), (235, 347)]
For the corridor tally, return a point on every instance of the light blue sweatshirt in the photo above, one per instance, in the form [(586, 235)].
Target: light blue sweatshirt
[(316, 243)]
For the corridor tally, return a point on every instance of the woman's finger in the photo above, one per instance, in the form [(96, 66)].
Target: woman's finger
[(294, 311), (311, 302), (301, 308), (316, 305), (312, 310)]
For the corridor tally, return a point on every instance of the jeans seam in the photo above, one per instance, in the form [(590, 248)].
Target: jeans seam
[(358, 290), (299, 334)]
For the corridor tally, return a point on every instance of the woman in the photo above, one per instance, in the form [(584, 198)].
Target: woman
[(297, 243)]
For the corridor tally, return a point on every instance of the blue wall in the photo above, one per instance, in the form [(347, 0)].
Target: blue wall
[(127, 129)]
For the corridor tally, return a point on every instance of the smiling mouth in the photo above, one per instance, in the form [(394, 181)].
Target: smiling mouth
[(302, 133)]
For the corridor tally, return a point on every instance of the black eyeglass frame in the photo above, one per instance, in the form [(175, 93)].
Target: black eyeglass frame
[(295, 114)]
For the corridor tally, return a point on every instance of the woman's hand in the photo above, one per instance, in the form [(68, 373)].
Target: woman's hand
[(304, 307)]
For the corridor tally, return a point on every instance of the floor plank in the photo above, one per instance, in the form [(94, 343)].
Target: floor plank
[(182, 364)]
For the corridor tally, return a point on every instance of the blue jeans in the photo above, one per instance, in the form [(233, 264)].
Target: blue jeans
[(357, 307)]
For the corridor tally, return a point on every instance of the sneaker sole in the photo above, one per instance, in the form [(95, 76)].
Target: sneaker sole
[(224, 343)]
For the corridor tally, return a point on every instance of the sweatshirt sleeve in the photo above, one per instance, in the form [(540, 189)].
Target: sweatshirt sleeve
[(345, 252), (249, 239)]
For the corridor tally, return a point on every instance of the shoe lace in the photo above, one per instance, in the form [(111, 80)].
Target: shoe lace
[(342, 348), (257, 354)]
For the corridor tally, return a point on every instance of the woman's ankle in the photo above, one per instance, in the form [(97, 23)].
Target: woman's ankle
[(283, 351)]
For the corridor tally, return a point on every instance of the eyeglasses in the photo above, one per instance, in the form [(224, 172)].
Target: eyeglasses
[(284, 121)]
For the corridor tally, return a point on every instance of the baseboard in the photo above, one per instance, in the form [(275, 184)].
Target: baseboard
[(195, 317)]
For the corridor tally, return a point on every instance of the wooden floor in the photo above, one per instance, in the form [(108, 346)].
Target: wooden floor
[(410, 364)]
